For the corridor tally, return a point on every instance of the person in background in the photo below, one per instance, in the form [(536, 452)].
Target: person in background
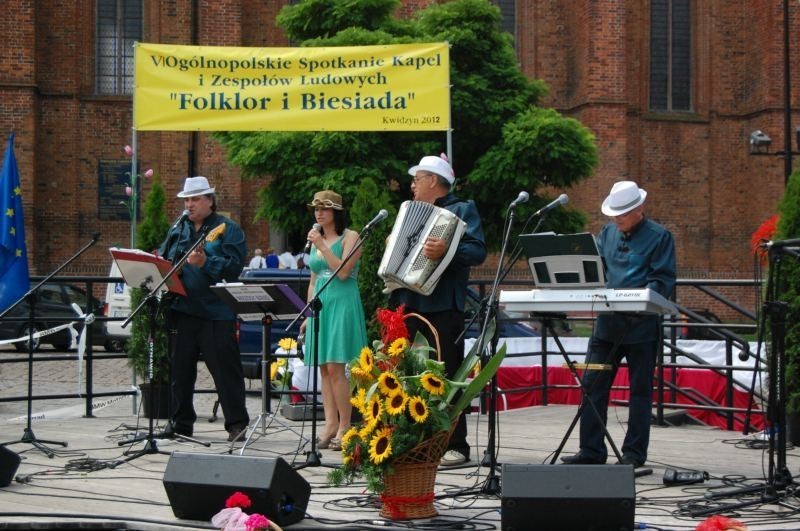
[(205, 324), (257, 262), (444, 307), (272, 259), (342, 327), (286, 260), (638, 253)]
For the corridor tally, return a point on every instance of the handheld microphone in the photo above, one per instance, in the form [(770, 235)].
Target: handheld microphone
[(521, 198), (558, 201), (183, 217), (383, 214), (317, 227)]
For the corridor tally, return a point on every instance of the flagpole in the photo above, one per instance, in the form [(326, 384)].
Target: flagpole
[(134, 189)]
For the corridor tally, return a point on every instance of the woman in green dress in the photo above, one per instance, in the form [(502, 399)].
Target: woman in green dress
[(342, 329)]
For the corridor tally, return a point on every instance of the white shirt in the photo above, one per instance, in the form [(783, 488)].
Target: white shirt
[(257, 262), (287, 261)]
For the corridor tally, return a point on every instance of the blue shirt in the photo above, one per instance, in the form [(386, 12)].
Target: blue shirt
[(225, 261), (645, 258), (451, 291)]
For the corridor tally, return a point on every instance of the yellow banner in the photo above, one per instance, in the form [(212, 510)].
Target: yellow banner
[(402, 87)]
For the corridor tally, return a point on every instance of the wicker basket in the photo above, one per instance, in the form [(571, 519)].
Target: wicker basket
[(408, 492)]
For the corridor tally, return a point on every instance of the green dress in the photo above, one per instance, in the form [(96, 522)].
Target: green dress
[(342, 330)]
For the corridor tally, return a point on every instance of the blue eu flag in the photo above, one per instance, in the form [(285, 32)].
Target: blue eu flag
[(14, 281)]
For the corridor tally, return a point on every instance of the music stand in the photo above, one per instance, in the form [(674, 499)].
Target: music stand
[(264, 302), (155, 275)]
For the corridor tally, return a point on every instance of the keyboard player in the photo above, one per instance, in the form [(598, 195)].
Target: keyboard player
[(638, 253)]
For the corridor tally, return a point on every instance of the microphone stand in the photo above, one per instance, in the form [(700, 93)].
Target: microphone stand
[(492, 483), (28, 436), (150, 446), (313, 456)]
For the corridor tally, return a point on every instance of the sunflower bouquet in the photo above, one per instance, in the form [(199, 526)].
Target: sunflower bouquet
[(404, 398)]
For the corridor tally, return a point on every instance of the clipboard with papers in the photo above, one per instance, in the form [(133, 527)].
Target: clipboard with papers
[(141, 269), (564, 261)]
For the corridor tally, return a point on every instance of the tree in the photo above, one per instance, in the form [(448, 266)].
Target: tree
[(494, 112)]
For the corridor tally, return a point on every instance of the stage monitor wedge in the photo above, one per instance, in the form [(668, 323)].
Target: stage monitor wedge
[(197, 486), (567, 497), (9, 461)]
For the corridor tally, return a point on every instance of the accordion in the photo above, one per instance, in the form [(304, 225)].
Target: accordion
[(403, 265)]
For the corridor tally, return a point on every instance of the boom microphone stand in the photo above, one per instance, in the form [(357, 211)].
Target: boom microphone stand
[(313, 456), (492, 483), (28, 435), (150, 446), (779, 478)]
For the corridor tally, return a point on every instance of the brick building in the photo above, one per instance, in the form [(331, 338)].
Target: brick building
[(672, 90)]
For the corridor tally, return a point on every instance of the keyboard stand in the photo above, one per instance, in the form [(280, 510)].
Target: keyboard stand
[(549, 328)]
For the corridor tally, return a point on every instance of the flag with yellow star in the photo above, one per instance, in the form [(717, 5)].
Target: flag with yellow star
[(14, 281)]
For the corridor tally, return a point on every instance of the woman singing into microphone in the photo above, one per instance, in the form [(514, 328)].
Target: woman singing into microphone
[(342, 330)]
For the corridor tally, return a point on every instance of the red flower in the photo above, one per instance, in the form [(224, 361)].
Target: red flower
[(720, 523), (238, 499), (764, 233), (257, 522), (392, 324)]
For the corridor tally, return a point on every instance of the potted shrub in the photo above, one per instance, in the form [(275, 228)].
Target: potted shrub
[(788, 291), (155, 386)]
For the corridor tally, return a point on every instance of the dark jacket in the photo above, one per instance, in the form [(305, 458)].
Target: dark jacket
[(226, 255)]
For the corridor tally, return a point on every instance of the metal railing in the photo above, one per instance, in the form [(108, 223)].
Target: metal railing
[(667, 389)]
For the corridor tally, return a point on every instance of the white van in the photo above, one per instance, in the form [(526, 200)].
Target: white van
[(117, 304)]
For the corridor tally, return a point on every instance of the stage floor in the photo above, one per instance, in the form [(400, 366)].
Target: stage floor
[(75, 489)]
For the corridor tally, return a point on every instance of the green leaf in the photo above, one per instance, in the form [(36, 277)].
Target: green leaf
[(479, 382)]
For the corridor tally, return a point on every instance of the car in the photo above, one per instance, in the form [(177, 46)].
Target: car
[(117, 305), (250, 332), (54, 301)]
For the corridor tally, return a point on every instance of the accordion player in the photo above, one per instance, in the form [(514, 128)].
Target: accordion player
[(403, 265)]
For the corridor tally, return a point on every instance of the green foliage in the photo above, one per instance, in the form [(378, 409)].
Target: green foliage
[(789, 289), (493, 108), (150, 234), (369, 200)]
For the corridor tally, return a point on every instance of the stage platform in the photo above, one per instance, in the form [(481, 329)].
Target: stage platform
[(76, 488)]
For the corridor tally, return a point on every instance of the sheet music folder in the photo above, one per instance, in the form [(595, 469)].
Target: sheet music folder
[(251, 302), (141, 269), (564, 260)]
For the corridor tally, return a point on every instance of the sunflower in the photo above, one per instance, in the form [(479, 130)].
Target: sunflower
[(360, 399), (396, 404), (397, 347), (373, 409), (432, 383), (287, 344), (389, 384), (368, 427), (360, 373), (380, 447), (366, 359), (349, 434), (418, 409)]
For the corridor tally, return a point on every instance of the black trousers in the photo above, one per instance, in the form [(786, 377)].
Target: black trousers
[(449, 325), (216, 341)]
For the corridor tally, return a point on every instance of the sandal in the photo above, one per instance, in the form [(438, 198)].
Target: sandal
[(335, 444), (325, 443)]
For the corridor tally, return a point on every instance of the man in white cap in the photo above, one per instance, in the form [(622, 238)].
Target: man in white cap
[(638, 253), (444, 308), (203, 322)]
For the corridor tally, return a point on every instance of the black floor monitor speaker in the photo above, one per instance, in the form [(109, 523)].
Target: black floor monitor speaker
[(9, 461), (567, 497), (197, 486)]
